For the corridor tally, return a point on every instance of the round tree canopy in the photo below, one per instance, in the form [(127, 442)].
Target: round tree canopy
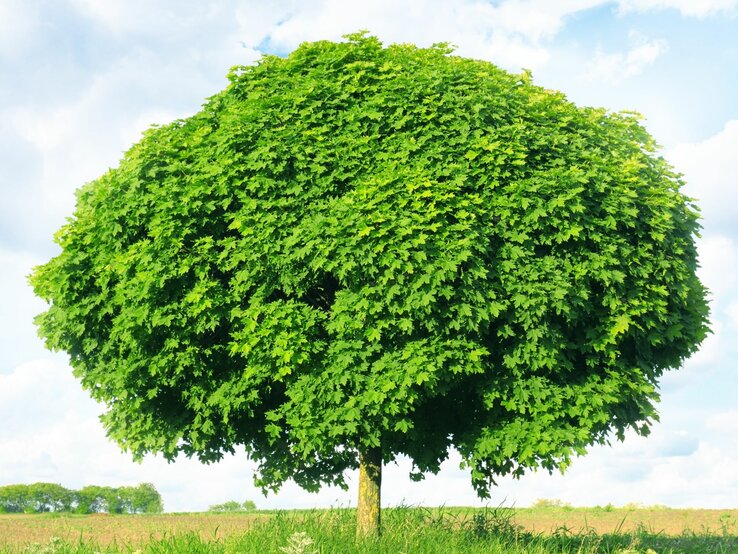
[(360, 247)]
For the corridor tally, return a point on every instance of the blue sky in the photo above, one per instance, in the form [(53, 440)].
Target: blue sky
[(81, 79)]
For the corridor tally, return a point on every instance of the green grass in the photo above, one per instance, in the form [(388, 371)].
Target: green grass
[(410, 531)]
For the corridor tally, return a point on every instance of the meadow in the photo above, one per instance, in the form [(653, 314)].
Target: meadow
[(549, 527)]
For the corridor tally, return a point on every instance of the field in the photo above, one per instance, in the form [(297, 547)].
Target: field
[(539, 530)]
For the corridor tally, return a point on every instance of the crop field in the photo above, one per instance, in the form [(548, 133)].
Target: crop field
[(539, 530), (18, 530)]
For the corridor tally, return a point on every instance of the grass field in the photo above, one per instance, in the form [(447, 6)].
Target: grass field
[(539, 530)]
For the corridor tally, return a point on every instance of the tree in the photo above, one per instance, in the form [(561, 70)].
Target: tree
[(49, 497), (15, 499), (89, 500), (93, 499), (35, 498), (141, 499), (233, 506), (357, 252), (229, 506), (52, 497)]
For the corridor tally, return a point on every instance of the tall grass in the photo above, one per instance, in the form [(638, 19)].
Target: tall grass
[(406, 530)]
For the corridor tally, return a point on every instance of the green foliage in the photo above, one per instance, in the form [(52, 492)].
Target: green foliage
[(356, 246), (233, 506), (230, 506), (248, 506), (15, 499), (95, 499), (35, 498), (51, 497), (141, 499)]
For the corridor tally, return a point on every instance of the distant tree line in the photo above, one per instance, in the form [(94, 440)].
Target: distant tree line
[(233, 506), (52, 497)]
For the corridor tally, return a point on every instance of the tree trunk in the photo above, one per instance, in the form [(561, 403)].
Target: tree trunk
[(370, 484)]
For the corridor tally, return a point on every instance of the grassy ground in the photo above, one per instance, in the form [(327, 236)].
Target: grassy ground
[(103, 529), (655, 520), (556, 529)]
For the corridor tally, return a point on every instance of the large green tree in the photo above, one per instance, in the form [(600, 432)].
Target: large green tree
[(357, 252)]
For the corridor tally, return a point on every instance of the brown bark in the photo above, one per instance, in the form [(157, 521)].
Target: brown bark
[(370, 485)]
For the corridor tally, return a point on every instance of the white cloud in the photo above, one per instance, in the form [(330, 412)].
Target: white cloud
[(257, 20), (18, 338), (43, 380), (510, 33), (538, 19), (692, 8), (718, 257), (707, 477), (732, 313), (141, 17), (725, 422), (710, 170), (78, 141), (670, 467), (19, 188), (718, 271), (161, 60), (619, 66), (18, 25)]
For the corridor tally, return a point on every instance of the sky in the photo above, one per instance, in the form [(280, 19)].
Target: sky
[(81, 79)]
